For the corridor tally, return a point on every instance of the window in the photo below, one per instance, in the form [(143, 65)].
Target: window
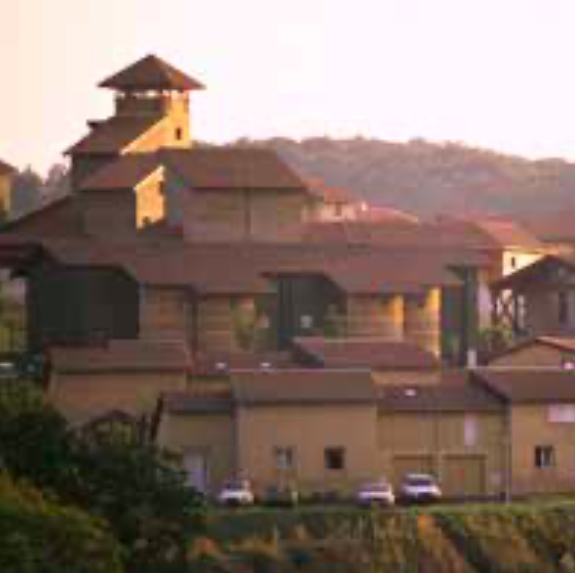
[(563, 308), (544, 456), (334, 459), (513, 262), (338, 210), (179, 134), (284, 458)]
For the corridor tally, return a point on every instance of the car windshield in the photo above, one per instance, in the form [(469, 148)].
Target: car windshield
[(376, 487), (237, 485), (420, 481)]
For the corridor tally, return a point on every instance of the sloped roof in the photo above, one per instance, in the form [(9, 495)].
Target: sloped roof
[(199, 402), (221, 363), (529, 385), (448, 397), (563, 344), (373, 353), (126, 172), (123, 355), (508, 233), (6, 169), (113, 135), (303, 387), (59, 218), (151, 73), (541, 269), (233, 168), (380, 214)]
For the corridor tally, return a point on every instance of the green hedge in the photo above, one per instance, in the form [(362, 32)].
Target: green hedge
[(39, 536)]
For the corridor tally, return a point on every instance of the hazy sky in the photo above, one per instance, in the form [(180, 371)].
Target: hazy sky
[(492, 73)]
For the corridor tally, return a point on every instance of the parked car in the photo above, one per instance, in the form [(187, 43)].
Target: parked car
[(237, 493), (376, 493), (282, 496), (418, 487)]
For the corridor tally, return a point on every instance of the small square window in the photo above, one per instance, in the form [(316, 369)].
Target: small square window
[(334, 459), (284, 458), (544, 456)]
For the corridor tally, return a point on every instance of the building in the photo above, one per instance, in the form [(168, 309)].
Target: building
[(542, 351), (538, 300), (6, 176), (165, 240)]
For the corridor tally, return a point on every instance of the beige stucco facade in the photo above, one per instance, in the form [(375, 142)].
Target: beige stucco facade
[(464, 450), (531, 428), (81, 396), (211, 437), (309, 430)]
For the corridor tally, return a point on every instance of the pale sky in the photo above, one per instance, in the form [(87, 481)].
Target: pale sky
[(491, 73)]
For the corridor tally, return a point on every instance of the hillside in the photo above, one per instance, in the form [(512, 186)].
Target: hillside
[(429, 178)]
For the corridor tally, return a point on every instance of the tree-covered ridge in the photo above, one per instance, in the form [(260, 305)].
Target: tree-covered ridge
[(429, 178)]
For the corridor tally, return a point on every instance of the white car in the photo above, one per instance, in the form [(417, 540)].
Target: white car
[(420, 487), (376, 493), (237, 493)]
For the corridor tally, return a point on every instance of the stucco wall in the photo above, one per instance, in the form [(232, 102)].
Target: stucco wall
[(439, 436), (309, 430), (530, 427), (82, 396), (211, 435), (165, 314), (422, 320)]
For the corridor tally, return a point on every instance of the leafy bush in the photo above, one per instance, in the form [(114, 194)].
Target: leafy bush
[(38, 535)]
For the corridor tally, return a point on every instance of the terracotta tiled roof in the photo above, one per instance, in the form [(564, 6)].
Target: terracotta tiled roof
[(207, 268), (123, 355), (560, 343), (373, 353), (232, 168), (113, 135), (529, 385), (554, 226), (221, 363), (126, 172), (378, 214), (438, 398), (510, 234), (151, 73), (60, 218), (6, 169), (198, 402), (303, 387), (541, 269)]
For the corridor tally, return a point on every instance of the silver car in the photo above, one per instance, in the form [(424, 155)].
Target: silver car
[(376, 493)]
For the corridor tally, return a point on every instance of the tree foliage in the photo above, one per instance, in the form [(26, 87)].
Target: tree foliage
[(137, 488)]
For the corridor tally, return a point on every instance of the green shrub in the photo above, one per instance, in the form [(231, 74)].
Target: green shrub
[(38, 535)]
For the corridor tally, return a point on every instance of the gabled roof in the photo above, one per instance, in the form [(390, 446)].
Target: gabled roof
[(126, 172), (303, 387), (123, 355), (113, 135), (6, 169), (151, 73), (446, 397), (233, 168), (508, 233), (529, 385), (372, 353), (562, 344), (546, 268), (59, 218)]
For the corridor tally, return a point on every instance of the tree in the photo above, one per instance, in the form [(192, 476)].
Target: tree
[(26, 191), (139, 489)]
